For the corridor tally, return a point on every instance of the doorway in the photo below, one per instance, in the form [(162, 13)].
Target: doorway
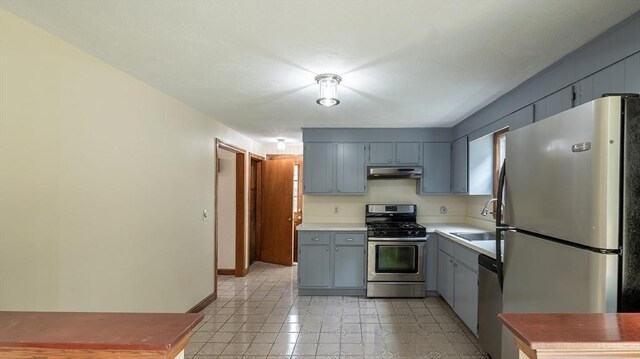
[(255, 207), (229, 211), (281, 195)]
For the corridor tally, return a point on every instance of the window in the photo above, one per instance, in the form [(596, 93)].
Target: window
[(296, 171), (499, 155)]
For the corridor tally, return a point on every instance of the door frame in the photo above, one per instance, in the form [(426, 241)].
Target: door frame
[(240, 270), (258, 220)]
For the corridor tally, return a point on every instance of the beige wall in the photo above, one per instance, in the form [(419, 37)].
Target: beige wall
[(475, 204), (227, 210), (321, 209), (292, 149), (460, 209), (103, 180)]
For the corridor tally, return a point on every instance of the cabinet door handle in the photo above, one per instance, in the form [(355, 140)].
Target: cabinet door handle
[(336, 249), (389, 161), (398, 160), (315, 239), (327, 249), (329, 189), (349, 239)]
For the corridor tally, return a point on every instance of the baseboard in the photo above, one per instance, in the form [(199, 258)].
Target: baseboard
[(244, 272), (226, 271), (203, 303), (330, 292)]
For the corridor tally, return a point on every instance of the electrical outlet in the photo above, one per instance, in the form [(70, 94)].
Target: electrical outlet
[(443, 210), (336, 210)]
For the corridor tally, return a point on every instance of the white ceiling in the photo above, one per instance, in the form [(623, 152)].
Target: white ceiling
[(251, 64)]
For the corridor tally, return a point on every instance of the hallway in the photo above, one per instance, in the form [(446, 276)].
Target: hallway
[(261, 316)]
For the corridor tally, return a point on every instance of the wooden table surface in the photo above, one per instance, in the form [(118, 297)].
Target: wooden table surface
[(603, 331), (96, 331)]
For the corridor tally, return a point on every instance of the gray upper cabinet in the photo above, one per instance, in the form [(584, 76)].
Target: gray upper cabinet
[(609, 80), (350, 168), (391, 153), (318, 167), (334, 168), (436, 172), (459, 156), (632, 74), (408, 153), (381, 153)]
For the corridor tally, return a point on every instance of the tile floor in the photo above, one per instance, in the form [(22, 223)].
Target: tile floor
[(262, 316)]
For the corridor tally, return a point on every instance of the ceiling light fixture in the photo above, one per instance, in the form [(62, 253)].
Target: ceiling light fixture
[(281, 146), (328, 89)]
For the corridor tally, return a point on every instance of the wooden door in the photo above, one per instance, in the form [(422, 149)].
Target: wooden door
[(277, 211)]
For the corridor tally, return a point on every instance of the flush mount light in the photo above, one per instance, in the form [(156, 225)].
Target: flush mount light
[(328, 89), (280, 146)]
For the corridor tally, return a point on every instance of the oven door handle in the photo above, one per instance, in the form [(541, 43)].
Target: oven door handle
[(403, 240)]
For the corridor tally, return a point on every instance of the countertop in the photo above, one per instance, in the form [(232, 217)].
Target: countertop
[(96, 331), (576, 331), (487, 248), (445, 229), (355, 227)]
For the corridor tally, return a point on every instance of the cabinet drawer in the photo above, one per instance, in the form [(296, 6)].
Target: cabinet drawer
[(445, 245), (466, 256), (314, 238), (350, 239)]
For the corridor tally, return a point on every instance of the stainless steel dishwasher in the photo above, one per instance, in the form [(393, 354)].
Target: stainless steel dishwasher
[(489, 305)]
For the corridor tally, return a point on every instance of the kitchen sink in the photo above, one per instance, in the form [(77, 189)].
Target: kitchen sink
[(482, 236)]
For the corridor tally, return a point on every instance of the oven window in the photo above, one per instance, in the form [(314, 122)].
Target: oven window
[(396, 259)]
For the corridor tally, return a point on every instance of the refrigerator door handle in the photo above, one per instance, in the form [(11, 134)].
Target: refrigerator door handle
[(500, 226)]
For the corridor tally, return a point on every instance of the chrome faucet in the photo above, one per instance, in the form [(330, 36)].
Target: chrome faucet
[(485, 210)]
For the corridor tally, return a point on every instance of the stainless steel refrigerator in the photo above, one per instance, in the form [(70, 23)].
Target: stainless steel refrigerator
[(571, 186)]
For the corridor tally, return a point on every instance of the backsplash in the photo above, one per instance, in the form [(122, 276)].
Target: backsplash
[(321, 209), (460, 209), (475, 204)]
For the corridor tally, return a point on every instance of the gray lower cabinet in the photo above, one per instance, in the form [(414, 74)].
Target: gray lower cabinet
[(445, 277), (465, 297), (331, 263), (314, 266), (458, 280), (349, 266), (459, 165), (436, 168)]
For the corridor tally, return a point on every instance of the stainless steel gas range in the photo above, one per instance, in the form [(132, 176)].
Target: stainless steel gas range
[(396, 251)]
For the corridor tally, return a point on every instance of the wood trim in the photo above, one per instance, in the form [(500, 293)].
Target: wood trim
[(215, 220), (204, 303), (496, 157), (226, 271), (229, 147), (281, 156), (240, 210), (258, 220), (254, 156)]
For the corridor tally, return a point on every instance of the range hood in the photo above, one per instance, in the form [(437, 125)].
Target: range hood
[(394, 172)]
